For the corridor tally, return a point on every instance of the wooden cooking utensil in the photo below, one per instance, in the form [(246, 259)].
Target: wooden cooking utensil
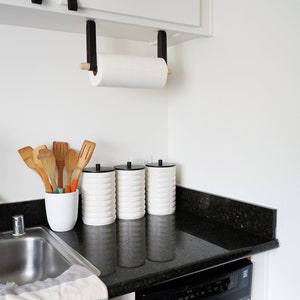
[(85, 155), (26, 154), (59, 150), (40, 169), (49, 164), (71, 163)]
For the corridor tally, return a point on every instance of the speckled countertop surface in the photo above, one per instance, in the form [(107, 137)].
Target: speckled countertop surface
[(206, 231)]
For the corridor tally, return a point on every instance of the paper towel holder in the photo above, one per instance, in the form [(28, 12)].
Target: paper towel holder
[(91, 47)]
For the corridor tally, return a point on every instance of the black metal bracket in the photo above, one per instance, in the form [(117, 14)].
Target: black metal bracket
[(72, 5), (162, 45), (37, 1), (91, 45)]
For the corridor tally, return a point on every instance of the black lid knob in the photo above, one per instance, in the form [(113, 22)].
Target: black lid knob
[(129, 165)]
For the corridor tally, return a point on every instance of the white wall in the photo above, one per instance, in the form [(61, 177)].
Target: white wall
[(234, 119), (45, 97)]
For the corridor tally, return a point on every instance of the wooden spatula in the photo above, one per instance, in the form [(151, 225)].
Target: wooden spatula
[(26, 154), (85, 155), (71, 163), (48, 160), (40, 169), (59, 150)]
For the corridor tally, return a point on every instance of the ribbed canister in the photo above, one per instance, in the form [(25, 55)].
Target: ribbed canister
[(130, 191), (161, 188), (98, 196)]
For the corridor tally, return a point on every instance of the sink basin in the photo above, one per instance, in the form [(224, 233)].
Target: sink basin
[(37, 255)]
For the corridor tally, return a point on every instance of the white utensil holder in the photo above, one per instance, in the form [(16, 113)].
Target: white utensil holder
[(61, 210)]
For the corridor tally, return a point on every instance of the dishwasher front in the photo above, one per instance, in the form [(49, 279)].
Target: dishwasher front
[(231, 281)]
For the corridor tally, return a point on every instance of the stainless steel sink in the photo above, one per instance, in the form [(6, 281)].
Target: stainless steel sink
[(37, 255)]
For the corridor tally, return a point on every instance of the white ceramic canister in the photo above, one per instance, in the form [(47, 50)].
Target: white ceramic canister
[(98, 192), (161, 188), (130, 186)]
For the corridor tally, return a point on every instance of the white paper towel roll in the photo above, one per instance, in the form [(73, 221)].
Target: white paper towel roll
[(130, 71)]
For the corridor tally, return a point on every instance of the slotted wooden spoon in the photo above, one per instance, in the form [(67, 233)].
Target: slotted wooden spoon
[(49, 164), (40, 169), (85, 155), (59, 150), (71, 163)]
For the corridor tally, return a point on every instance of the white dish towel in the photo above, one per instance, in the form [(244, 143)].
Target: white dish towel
[(76, 283)]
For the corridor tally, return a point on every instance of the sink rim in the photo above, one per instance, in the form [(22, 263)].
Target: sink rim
[(69, 254)]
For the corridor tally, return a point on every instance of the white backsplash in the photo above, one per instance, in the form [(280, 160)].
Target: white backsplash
[(46, 97)]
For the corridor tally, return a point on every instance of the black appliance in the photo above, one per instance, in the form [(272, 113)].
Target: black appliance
[(231, 281)]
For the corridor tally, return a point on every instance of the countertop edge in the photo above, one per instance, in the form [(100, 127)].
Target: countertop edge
[(153, 279)]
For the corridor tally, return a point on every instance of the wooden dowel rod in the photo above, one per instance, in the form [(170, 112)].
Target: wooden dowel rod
[(85, 66)]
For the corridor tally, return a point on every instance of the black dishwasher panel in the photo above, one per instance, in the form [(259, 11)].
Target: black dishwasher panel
[(231, 281)]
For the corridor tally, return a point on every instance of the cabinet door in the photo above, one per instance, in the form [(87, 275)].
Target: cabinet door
[(185, 12)]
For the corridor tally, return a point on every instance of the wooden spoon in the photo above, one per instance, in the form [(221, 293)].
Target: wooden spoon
[(40, 169), (59, 150), (71, 163), (85, 155), (49, 164)]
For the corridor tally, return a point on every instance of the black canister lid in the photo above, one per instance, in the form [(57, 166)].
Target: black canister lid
[(98, 169), (160, 164), (129, 167)]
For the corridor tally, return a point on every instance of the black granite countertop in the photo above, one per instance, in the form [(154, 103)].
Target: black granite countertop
[(206, 231)]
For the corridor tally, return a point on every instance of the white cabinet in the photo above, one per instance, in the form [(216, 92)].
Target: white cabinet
[(130, 19), (175, 11)]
